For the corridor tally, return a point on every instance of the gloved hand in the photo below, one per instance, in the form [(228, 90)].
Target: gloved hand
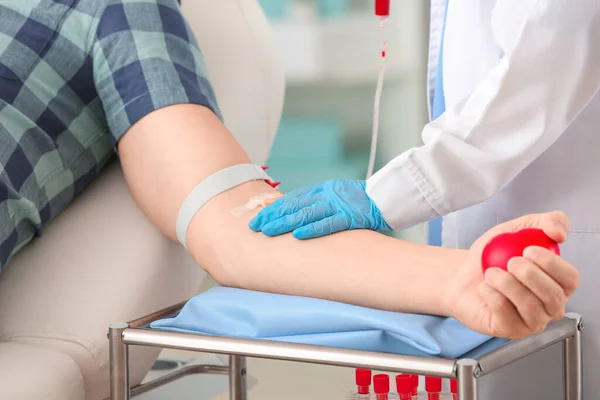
[(314, 211)]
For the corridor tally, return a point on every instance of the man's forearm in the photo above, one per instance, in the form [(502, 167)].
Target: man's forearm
[(357, 267), (170, 151)]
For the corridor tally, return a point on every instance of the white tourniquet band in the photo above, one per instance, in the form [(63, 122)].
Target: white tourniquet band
[(212, 186)]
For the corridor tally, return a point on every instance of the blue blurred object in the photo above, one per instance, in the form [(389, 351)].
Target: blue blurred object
[(434, 232), (302, 174), (332, 8), (276, 9), (256, 315), (310, 141), (310, 150)]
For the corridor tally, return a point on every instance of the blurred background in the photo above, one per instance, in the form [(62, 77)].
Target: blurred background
[(331, 52)]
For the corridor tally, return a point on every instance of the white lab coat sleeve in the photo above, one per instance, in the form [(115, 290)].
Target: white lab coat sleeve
[(549, 72)]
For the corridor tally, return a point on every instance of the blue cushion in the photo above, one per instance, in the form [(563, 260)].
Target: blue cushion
[(247, 314)]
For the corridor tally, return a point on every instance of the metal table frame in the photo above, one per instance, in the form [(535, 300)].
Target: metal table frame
[(466, 370)]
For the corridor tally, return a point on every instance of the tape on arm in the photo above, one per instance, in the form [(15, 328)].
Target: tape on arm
[(212, 186)]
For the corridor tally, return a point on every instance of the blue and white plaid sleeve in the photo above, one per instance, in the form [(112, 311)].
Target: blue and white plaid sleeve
[(145, 58)]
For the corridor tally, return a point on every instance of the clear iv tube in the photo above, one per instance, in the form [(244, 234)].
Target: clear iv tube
[(377, 106)]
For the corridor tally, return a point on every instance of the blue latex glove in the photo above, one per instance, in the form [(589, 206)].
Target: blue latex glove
[(314, 211)]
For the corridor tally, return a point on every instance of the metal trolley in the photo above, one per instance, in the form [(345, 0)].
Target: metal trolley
[(466, 370)]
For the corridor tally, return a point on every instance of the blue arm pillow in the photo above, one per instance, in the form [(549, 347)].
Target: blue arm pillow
[(256, 315)]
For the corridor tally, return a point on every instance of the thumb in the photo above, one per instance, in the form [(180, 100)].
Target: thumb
[(554, 224)]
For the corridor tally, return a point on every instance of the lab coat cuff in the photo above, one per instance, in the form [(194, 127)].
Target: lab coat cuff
[(401, 194)]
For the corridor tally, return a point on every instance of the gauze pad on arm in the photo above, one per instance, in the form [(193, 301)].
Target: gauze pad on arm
[(212, 186), (262, 200)]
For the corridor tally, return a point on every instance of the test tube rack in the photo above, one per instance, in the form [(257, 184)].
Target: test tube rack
[(466, 370)]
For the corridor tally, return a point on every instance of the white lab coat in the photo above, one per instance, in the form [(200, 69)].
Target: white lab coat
[(521, 135)]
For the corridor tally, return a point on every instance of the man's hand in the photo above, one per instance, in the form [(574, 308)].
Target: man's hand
[(315, 211), (523, 300)]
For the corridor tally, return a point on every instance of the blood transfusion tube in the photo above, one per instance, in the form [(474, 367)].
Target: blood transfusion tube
[(382, 11)]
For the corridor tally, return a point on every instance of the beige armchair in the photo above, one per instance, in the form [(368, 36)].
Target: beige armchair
[(101, 260)]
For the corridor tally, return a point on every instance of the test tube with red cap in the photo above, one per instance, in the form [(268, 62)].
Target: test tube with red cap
[(454, 389), (433, 386), (415, 386), (363, 383), (404, 386), (381, 386)]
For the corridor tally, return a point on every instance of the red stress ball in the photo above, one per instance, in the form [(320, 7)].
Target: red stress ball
[(505, 246)]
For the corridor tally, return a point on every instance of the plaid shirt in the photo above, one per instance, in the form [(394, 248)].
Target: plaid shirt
[(74, 76)]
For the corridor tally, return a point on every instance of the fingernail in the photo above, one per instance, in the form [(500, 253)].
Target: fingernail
[(531, 252), (561, 227), (299, 234), (267, 230), (514, 263), (254, 225), (490, 273)]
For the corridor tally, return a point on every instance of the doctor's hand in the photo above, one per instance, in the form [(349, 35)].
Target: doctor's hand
[(525, 299), (320, 210)]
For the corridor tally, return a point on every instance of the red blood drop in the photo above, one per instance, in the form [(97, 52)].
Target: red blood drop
[(273, 184)]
